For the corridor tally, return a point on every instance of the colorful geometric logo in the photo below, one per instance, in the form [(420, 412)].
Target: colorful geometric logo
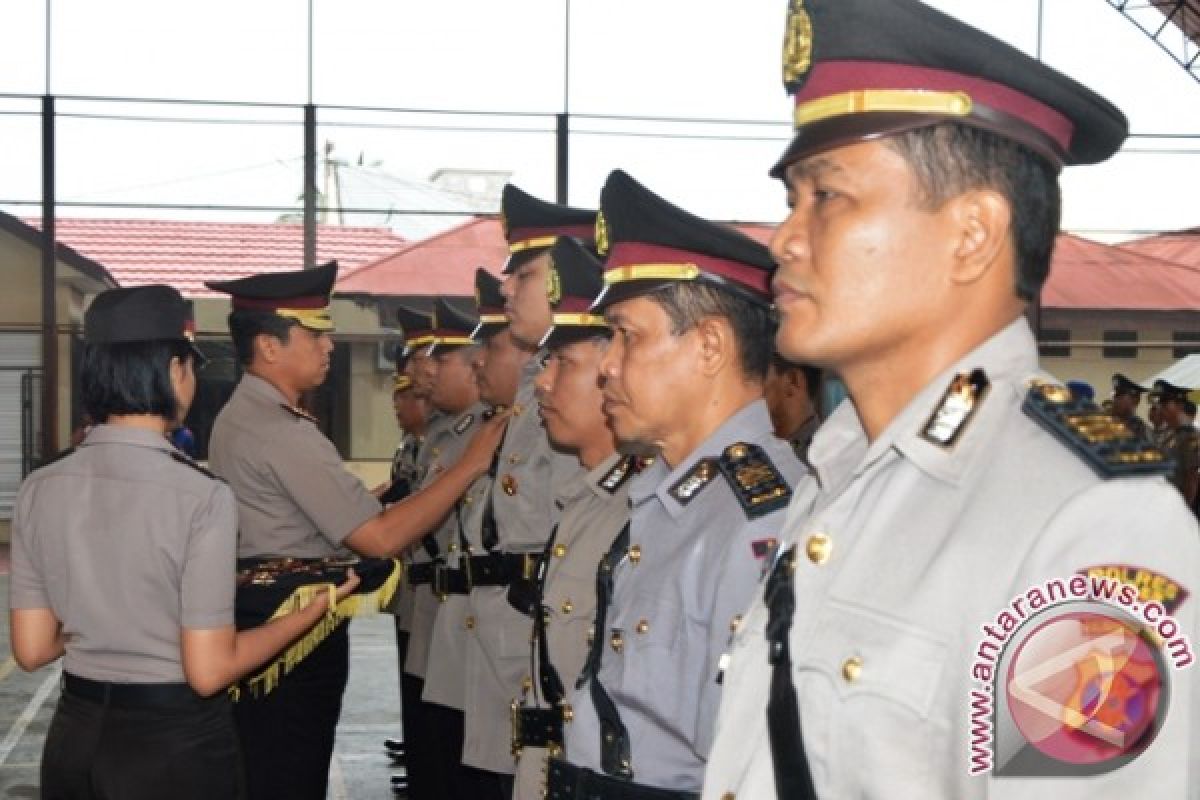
[(1083, 692)]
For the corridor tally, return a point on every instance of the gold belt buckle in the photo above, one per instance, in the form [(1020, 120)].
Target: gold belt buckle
[(514, 716), (529, 566), (439, 582)]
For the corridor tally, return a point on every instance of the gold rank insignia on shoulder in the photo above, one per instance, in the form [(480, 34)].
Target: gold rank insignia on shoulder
[(463, 423), (699, 476), (298, 412), (755, 481), (797, 44), (621, 471), (1106, 443), (957, 408)]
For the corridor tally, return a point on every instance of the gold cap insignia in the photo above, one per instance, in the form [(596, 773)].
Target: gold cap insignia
[(601, 234), (797, 44), (553, 283)]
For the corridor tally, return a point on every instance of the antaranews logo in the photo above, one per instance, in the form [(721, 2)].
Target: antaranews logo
[(1072, 678)]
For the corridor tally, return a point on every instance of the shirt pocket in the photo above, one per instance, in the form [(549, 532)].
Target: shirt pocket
[(868, 688)]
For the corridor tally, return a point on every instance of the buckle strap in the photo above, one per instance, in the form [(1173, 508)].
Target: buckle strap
[(566, 781)]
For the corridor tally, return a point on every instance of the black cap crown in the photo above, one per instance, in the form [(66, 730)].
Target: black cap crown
[(139, 314), (451, 326), (576, 278), (302, 295), (418, 332), (490, 302), (650, 243), (1122, 385), (860, 69), (1166, 392), (531, 225)]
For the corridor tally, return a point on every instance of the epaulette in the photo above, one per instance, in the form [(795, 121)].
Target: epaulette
[(463, 423), (183, 459), (755, 481), (699, 476), (298, 412), (625, 468), (1106, 443)]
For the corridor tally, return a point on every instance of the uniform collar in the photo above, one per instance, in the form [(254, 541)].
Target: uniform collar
[(124, 434), (751, 423), (261, 389), (593, 479), (839, 451)]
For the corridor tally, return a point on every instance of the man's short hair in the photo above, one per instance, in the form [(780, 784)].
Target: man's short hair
[(812, 376), (688, 303), (245, 325), (130, 377), (950, 158)]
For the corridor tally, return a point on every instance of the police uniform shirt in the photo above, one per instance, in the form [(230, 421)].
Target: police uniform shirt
[(404, 601), (592, 517), (695, 559), (295, 496), (445, 674), (126, 541), (531, 477), (446, 445), (904, 551), (405, 468), (1139, 426), (1183, 445)]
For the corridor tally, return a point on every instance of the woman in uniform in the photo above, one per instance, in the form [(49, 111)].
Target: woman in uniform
[(123, 563)]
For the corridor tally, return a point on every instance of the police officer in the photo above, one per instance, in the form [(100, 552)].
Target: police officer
[(594, 511), (1182, 441), (792, 393), (958, 487), (298, 506), (1126, 396), (123, 563), (688, 302), (530, 477)]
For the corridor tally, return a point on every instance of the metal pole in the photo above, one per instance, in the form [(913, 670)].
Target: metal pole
[(49, 281), (563, 160), (310, 186)]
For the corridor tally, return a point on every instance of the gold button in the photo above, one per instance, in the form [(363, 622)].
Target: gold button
[(735, 623), (453, 547), (643, 626), (509, 484), (591, 636), (560, 550), (517, 409), (729, 796), (617, 641), (466, 501), (567, 607), (568, 713), (635, 553), (818, 548), (852, 669), (469, 622), (527, 683)]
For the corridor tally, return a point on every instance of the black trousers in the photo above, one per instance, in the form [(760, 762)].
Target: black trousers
[(103, 752), (401, 653), (287, 735), (420, 749), (451, 779)]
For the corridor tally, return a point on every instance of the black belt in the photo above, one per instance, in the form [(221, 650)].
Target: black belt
[(569, 782), (501, 569), (133, 695), (536, 727)]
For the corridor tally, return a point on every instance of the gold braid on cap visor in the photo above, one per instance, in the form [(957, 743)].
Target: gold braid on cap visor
[(651, 272), (315, 319), (865, 101)]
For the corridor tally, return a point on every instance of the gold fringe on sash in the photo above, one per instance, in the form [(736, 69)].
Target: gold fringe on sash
[(265, 680)]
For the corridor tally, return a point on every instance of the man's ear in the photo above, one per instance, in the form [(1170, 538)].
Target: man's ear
[(983, 220), (717, 344), (267, 347)]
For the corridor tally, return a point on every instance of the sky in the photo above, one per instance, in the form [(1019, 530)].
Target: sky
[(698, 59)]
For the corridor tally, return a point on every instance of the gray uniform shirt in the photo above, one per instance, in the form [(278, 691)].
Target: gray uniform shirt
[(446, 446), (445, 674), (126, 545), (406, 465), (906, 549), (295, 496), (696, 563), (591, 519), (531, 477)]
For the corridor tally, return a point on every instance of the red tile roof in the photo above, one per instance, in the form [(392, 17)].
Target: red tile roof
[(1182, 247), (445, 264), (185, 254), (1091, 275)]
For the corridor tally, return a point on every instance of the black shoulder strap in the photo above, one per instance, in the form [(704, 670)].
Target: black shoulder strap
[(547, 675), (183, 459)]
